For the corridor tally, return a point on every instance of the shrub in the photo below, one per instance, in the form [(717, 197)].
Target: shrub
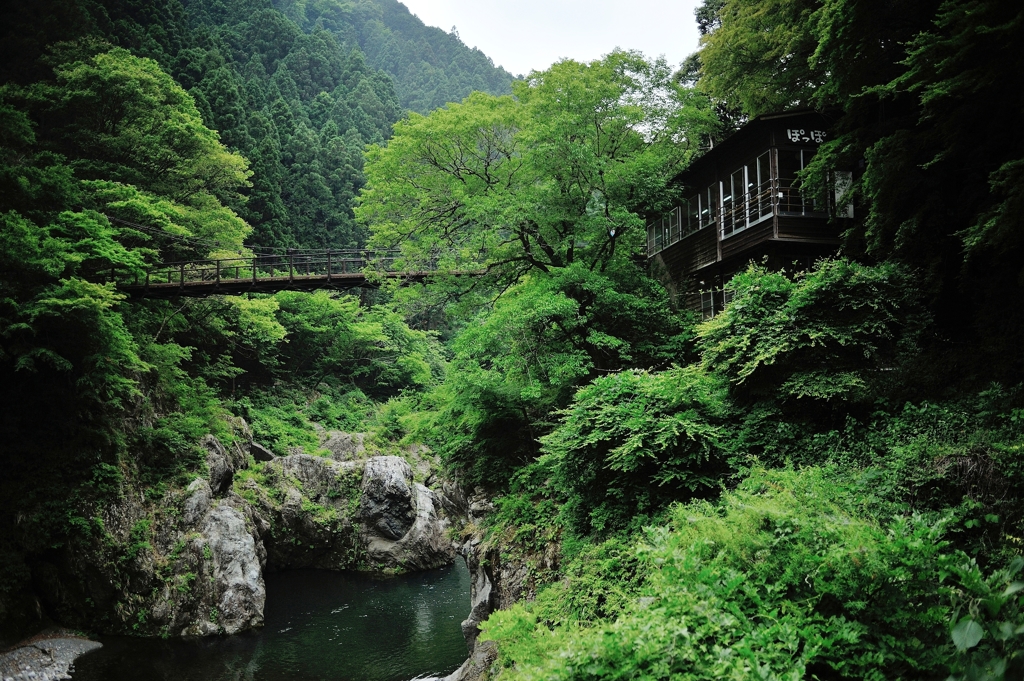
[(632, 442), (821, 335)]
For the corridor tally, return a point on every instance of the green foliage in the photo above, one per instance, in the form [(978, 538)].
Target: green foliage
[(554, 176), (989, 623), (429, 67), (335, 338), (817, 335), (139, 537), (633, 441), (516, 362), (787, 577)]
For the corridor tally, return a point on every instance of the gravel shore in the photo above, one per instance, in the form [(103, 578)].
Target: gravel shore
[(46, 657)]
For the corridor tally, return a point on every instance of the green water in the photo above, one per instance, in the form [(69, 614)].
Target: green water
[(320, 625)]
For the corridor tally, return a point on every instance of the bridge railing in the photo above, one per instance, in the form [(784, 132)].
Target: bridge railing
[(288, 267)]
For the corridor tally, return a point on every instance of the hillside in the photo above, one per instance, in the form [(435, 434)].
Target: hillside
[(430, 67), (289, 88)]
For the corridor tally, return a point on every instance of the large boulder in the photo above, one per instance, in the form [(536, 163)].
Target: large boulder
[(344, 446), (260, 453), (403, 526), (304, 509), (222, 468), (200, 497), (424, 545), (387, 507), (237, 577)]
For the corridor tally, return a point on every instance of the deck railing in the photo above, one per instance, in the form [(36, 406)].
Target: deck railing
[(266, 269)]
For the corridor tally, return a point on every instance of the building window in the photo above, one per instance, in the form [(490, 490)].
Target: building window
[(709, 206), (763, 188), (791, 200), (707, 304), (690, 214), (747, 195), (673, 228)]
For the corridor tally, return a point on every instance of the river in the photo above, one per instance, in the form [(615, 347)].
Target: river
[(320, 626)]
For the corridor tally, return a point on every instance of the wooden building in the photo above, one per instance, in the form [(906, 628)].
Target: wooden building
[(744, 203)]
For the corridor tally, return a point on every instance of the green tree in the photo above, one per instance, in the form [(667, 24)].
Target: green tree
[(558, 175)]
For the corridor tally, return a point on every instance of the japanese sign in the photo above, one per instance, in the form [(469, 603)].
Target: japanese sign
[(801, 135)]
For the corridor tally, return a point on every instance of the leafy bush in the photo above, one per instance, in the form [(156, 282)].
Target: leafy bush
[(786, 578), (988, 623), (828, 334), (634, 441), (544, 338)]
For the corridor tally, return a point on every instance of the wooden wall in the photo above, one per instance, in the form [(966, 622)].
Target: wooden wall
[(807, 229), (691, 252)]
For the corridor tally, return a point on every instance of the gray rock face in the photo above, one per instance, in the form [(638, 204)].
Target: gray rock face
[(238, 453), (207, 546), (308, 523), (344, 446), (222, 469), (198, 502), (482, 596), (237, 575), (260, 453), (386, 506), (425, 545), (315, 473)]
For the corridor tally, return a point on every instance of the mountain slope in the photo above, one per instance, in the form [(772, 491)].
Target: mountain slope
[(430, 67)]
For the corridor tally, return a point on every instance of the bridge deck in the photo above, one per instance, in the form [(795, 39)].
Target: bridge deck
[(268, 274), (234, 287)]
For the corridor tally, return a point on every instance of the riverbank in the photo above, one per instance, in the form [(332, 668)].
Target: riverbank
[(47, 656)]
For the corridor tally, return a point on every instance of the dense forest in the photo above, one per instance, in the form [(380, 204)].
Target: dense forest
[(823, 481), (297, 89)]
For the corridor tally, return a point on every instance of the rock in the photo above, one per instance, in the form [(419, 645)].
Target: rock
[(260, 453), (316, 474), (478, 666), (311, 521), (425, 545), (386, 506), (198, 502), (240, 448), (238, 580), (221, 469), (344, 446), (202, 571), (482, 595)]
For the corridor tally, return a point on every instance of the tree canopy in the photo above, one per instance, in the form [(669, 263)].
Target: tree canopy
[(926, 119), (560, 173)]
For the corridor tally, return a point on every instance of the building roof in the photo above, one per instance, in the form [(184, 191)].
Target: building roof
[(748, 132)]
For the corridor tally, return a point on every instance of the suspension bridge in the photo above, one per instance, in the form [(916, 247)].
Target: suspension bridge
[(299, 271)]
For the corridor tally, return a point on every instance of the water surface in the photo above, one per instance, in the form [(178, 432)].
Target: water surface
[(320, 626)]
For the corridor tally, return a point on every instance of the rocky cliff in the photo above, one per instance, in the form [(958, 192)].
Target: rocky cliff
[(192, 562), (501, 578)]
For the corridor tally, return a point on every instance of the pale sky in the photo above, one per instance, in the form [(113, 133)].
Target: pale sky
[(522, 35)]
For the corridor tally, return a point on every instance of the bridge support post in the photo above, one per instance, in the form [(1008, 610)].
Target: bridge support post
[(328, 265), (254, 271)]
